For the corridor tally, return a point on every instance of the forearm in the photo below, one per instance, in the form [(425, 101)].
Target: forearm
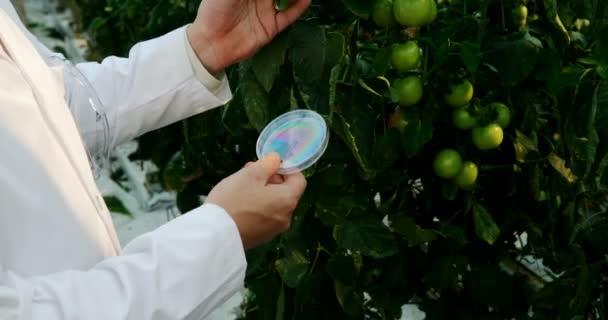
[(190, 265), (154, 87)]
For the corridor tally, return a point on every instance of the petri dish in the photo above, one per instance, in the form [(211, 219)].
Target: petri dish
[(300, 137)]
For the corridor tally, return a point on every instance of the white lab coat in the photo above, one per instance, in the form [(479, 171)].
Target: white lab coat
[(59, 253)]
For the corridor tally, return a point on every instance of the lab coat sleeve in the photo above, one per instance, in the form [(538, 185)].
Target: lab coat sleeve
[(184, 269), (158, 84)]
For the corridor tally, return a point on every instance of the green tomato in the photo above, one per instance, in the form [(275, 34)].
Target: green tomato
[(447, 163), (462, 119), (383, 13), (406, 56), (520, 15), (460, 95), (433, 12), (467, 177), (503, 114), (409, 90), (488, 137), (412, 13)]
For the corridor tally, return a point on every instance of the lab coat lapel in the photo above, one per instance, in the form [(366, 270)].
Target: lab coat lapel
[(48, 88)]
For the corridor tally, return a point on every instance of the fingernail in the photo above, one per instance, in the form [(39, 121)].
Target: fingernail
[(274, 156)]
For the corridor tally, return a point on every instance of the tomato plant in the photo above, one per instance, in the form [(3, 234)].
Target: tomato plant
[(377, 228)]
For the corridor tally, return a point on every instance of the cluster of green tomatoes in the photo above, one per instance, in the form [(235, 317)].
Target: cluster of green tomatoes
[(486, 124), (405, 56)]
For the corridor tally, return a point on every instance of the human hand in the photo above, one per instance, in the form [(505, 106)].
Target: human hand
[(260, 202), (229, 31)]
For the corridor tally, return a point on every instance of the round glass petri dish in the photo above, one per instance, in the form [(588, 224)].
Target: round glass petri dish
[(300, 137)]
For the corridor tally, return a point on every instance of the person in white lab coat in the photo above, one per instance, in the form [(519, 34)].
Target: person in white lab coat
[(59, 253)]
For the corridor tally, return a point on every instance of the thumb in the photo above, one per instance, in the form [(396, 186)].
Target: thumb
[(267, 166)]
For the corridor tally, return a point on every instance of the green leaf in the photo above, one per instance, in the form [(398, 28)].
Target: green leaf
[(523, 146), (387, 149), (257, 258), (116, 206), (454, 233), (444, 270), (552, 16), (602, 71), (585, 283), (335, 49), (336, 175), (316, 56), (234, 116), (255, 98), (449, 190), (266, 64), (470, 53), (514, 58), (381, 62), (588, 148), (485, 227), (343, 268), (350, 299), (361, 8), (335, 56), (411, 231), (178, 173), (267, 289), (368, 237), (416, 134), (484, 283), (548, 68), (334, 208), (601, 169), (292, 268), (308, 54), (354, 122), (188, 199)]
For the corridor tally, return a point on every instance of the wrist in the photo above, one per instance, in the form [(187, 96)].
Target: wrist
[(205, 50)]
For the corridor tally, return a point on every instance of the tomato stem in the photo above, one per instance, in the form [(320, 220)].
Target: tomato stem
[(320, 248)]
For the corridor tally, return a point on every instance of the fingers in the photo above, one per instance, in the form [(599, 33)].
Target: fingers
[(289, 16), (266, 167), (275, 179), (288, 193), (295, 183)]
